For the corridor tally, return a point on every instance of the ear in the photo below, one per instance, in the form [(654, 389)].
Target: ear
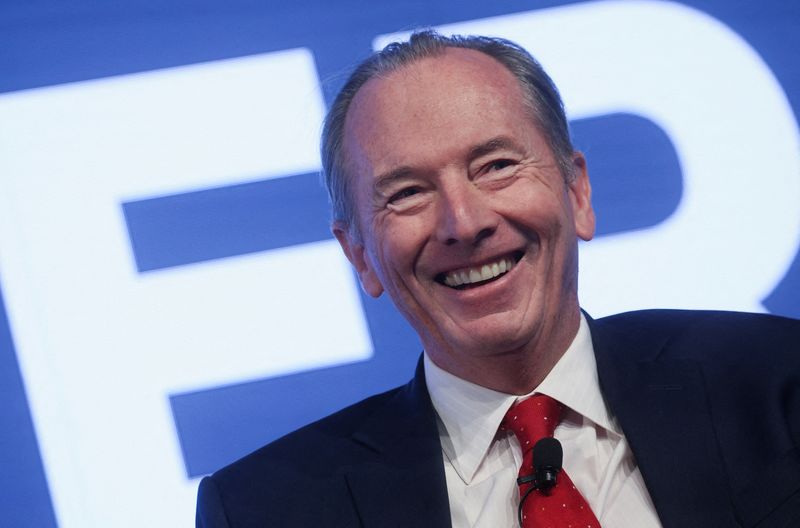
[(356, 253), (580, 192)]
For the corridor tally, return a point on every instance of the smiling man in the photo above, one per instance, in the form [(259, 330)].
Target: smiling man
[(456, 191), (450, 191)]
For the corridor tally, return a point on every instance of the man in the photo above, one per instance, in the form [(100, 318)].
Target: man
[(456, 190)]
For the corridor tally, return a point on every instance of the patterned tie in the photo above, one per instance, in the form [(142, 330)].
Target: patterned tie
[(562, 506)]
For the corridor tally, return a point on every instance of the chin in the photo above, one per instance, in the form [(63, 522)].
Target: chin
[(491, 342)]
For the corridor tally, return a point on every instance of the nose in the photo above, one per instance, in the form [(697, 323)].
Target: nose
[(464, 215)]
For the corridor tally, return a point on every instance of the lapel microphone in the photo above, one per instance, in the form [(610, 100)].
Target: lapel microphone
[(547, 459)]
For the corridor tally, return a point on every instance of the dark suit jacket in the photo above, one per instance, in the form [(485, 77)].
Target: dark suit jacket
[(709, 402)]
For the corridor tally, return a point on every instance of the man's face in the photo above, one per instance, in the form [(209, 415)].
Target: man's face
[(463, 215)]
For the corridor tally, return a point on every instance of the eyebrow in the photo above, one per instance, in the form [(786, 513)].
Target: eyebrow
[(495, 144), (388, 178)]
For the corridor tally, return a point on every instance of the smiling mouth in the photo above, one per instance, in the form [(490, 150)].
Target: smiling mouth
[(475, 276)]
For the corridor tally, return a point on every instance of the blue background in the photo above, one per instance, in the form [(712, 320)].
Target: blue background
[(44, 43)]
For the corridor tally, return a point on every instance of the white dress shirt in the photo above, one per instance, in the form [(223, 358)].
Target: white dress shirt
[(481, 465)]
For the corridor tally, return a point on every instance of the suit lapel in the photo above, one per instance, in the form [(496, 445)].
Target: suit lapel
[(659, 401), (401, 481), (663, 409)]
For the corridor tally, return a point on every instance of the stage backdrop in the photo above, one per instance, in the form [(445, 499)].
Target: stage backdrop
[(171, 295)]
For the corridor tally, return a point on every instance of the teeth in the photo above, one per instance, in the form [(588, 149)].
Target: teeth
[(484, 273)]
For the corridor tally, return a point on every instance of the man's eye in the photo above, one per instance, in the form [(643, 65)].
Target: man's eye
[(500, 164), (403, 194)]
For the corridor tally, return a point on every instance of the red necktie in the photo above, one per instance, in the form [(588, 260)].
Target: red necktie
[(562, 506)]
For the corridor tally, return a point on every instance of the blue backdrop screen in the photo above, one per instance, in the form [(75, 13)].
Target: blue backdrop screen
[(171, 297)]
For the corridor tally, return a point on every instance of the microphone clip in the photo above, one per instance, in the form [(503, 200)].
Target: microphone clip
[(543, 479)]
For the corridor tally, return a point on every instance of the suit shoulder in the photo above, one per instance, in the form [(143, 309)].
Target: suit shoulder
[(673, 319), (271, 486), (677, 321), (706, 332), (325, 439)]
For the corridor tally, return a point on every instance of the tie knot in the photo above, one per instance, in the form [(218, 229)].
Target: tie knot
[(532, 419)]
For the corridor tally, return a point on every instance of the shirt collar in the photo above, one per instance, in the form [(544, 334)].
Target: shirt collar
[(470, 414), (573, 381)]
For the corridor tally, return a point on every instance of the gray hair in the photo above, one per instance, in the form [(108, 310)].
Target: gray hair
[(541, 96)]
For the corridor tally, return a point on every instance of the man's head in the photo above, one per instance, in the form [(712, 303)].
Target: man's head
[(541, 98), (463, 212)]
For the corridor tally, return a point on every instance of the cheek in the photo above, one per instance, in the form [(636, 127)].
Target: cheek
[(532, 208), (395, 249)]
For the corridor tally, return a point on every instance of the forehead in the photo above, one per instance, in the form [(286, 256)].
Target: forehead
[(454, 71), (430, 104)]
